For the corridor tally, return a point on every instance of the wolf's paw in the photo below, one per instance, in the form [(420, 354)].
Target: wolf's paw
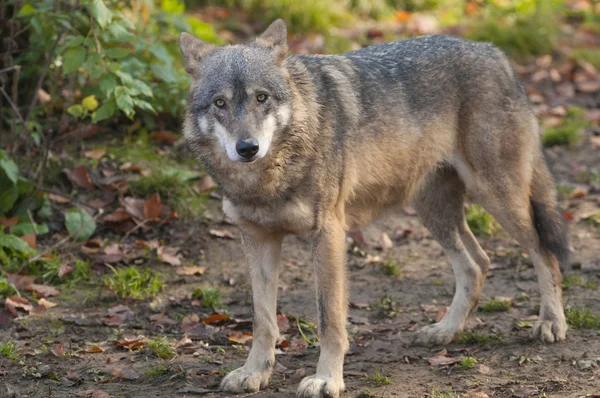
[(242, 380), (436, 334), (550, 330), (316, 387)]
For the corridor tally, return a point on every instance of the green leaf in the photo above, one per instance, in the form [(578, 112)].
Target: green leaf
[(27, 9), (79, 224), (73, 59), (96, 71), (76, 41), (9, 167), (120, 33), (106, 110), (8, 197), (172, 6), (29, 229), (164, 72), (142, 87), (117, 53), (90, 103), (108, 83), (114, 67), (124, 101), (45, 210), (14, 243), (75, 110), (144, 105), (101, 13), (125, 77)]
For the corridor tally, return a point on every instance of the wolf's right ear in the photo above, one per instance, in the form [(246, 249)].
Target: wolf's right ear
[(193, 50), (275, 38)]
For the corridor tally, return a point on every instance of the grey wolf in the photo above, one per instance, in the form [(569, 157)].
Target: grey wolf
[(316, 145)]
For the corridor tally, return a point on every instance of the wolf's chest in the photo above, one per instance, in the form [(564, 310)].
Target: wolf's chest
[(294, 216)]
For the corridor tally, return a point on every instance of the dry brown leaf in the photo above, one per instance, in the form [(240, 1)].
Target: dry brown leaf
[(164, 136), (579, 192), (93, 394), (240, 338), (588, 86), (113, 248), (65, 270), (57, 350), (151, 244), (190, 270), (94, 350), (30, 240), (442, 359), (126, 373), (80, 177), (9, 222), (214, 318), (283, 323), (42, 290), (135, 168), (169, 255), (14, 302), (595, 141), (131, 344), (58, 198), (476, 393), (118, 215), (95, 154), (386, 242), (204, 184), (47, 303), (153, 207), (221, 233), (20, 281)]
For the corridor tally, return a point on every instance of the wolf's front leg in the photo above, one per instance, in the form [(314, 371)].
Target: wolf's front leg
[(332, 304), (263, 251)]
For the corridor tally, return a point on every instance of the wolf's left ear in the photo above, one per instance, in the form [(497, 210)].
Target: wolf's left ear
[(275, 38), (193, 50)]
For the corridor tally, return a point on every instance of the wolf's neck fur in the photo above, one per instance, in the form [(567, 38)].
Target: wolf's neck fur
[(286, 169)]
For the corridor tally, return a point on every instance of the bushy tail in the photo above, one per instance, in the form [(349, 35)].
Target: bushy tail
[(548, 220)]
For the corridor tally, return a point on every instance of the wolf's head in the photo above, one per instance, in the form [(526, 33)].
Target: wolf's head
[(240, 100)]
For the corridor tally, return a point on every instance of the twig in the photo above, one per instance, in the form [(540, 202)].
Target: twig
[(60, 242), (12, 105), (10, 68), (71, 199)]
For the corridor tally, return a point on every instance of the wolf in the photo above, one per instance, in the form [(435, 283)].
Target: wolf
[(317, 145)]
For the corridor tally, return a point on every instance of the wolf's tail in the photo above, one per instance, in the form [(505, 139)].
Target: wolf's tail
[(547, 217)]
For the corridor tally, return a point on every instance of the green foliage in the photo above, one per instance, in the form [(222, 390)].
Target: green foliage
[(157, 371), (446, 393), (481, 222), (388, 306), (582, 319), (80, 224), (378, 378), (521, 28), (495, 306), (568, 133), (588, 54), (6, 289), (466, 363), (308, 331), (392, 269), (161, 348), (210, 297), (571, 281), (474, 337), (133, 282), (124, 56), (9, 350)]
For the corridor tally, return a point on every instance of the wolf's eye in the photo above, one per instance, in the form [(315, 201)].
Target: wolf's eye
[(261, 97), (219, 103)]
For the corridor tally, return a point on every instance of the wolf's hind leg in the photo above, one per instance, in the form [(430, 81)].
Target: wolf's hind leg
[(440, 207), (263, 251)]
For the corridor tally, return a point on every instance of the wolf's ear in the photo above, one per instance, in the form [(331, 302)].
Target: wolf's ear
[(193, 50), (275, 38)]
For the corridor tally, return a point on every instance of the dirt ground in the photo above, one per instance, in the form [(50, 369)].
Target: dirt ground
[(511, 366)]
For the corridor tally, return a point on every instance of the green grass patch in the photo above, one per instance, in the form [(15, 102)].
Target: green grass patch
[(495, 306), (571, 281), (582, 319), (392, 269), (445, 393), (568, 133), (6, 289), (9, 350), (378, 378), (161, 348), (224, 371), (308, 331), (157, 371), (210, 297), (481, 222), (474, 337), (467, 363), (132, 282), (388, 306), (589, 55)]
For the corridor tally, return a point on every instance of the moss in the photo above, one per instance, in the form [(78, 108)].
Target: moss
[(568, 133)]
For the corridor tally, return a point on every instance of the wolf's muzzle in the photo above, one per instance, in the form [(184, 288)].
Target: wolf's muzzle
[(247, 148)]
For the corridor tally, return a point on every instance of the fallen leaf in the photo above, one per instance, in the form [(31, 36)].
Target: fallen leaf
[(164, 136), (240, 338), (579, 192), (153, 207), (357, 237), (9, 222), (47, 303), (189, 321), (58, 198), (402, 16), (80, 177), (483, 369), (595, 141), (57, 350), (135, 168), (42, 290), (151, 244), (113, 321), (30, 240), (134, 206), (95, 154), (190, 271), (118, 215), (373, 259), (94, 350), (65, 270), (169, 255), (122, 311), (214, 318), (14, 302), (386, 242), (440, 313), (221, 233), (20, 281), (588, 86), (93, 394), (131, 344), (283, 323), (476, 393), (126, 373), (442, 359)]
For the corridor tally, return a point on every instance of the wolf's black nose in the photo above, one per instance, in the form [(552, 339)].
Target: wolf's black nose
[(247, 148)]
